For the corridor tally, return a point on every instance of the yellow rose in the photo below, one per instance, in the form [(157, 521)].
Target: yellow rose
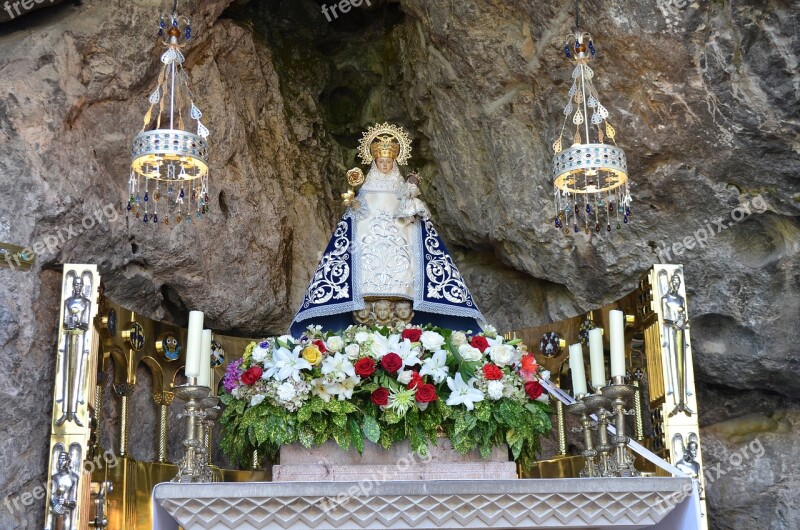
[(312, 355)]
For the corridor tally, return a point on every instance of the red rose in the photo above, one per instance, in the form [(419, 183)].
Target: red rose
[(365, 367), (426, 393), (529, 363), (492, 372), (391, 362), (533, 389), (380, 397), (416, 380), (320, 344), (251, 375), (479, 342), (412, 334)]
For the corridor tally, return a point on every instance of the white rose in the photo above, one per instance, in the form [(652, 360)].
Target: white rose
[(489, 331), (404, 377), (362, 336), (458, 338), (352, 351), (431, 340), (544, 398), (502, 355), (335, 343), (495, 390), (468, 353), (260, 354), (257, 399), (286, 391)]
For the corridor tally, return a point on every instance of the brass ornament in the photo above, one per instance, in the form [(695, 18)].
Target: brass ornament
[(134, 336), (355, 177)]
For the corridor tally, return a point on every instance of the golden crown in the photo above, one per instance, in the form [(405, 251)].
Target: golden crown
[(385, 140), (384, 147)]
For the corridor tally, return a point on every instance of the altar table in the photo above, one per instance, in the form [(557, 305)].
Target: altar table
[(658, 503)]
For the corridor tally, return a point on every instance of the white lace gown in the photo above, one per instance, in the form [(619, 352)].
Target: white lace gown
[(384, 244)]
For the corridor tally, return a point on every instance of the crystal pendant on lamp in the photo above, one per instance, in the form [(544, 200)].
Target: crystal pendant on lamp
[(590, 177), (169, 163)]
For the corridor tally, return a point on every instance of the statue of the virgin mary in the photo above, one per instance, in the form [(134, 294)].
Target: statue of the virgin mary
[(385, 263)]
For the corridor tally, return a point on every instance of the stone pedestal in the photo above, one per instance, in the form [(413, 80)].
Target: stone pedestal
[(330, 463)]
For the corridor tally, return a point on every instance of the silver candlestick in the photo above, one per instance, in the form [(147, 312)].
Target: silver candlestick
[(619, 393), (212, 413), (600, 405), (189, 468), (579, 408)]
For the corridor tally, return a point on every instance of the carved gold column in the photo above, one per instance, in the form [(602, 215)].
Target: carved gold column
[(124, 391), (561, 425), (163, 400), (638, 424), (255, 463)]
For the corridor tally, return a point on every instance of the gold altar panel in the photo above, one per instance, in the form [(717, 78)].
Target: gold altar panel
[(130, 339), (655, 369), (160, 347), (68, 481)]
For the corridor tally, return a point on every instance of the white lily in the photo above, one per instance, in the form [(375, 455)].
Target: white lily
[(379, 345), (338, 368), (347, 386), (405, 350), (319, 387), (462, 393), (435, 367), (285, 364)]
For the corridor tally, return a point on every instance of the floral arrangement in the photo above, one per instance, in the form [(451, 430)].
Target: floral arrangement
[(385, 385)]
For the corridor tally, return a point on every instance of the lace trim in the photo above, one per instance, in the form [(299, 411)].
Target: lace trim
[(384, 256), (377, 181)]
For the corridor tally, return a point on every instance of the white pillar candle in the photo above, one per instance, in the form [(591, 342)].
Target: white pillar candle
[(194, 339), (617, 340), (596, 359), (204, 377), (576, 367)]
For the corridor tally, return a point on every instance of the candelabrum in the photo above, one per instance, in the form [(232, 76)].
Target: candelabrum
[(620, 393), (579, 408), (212, 414), (190, 468)]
